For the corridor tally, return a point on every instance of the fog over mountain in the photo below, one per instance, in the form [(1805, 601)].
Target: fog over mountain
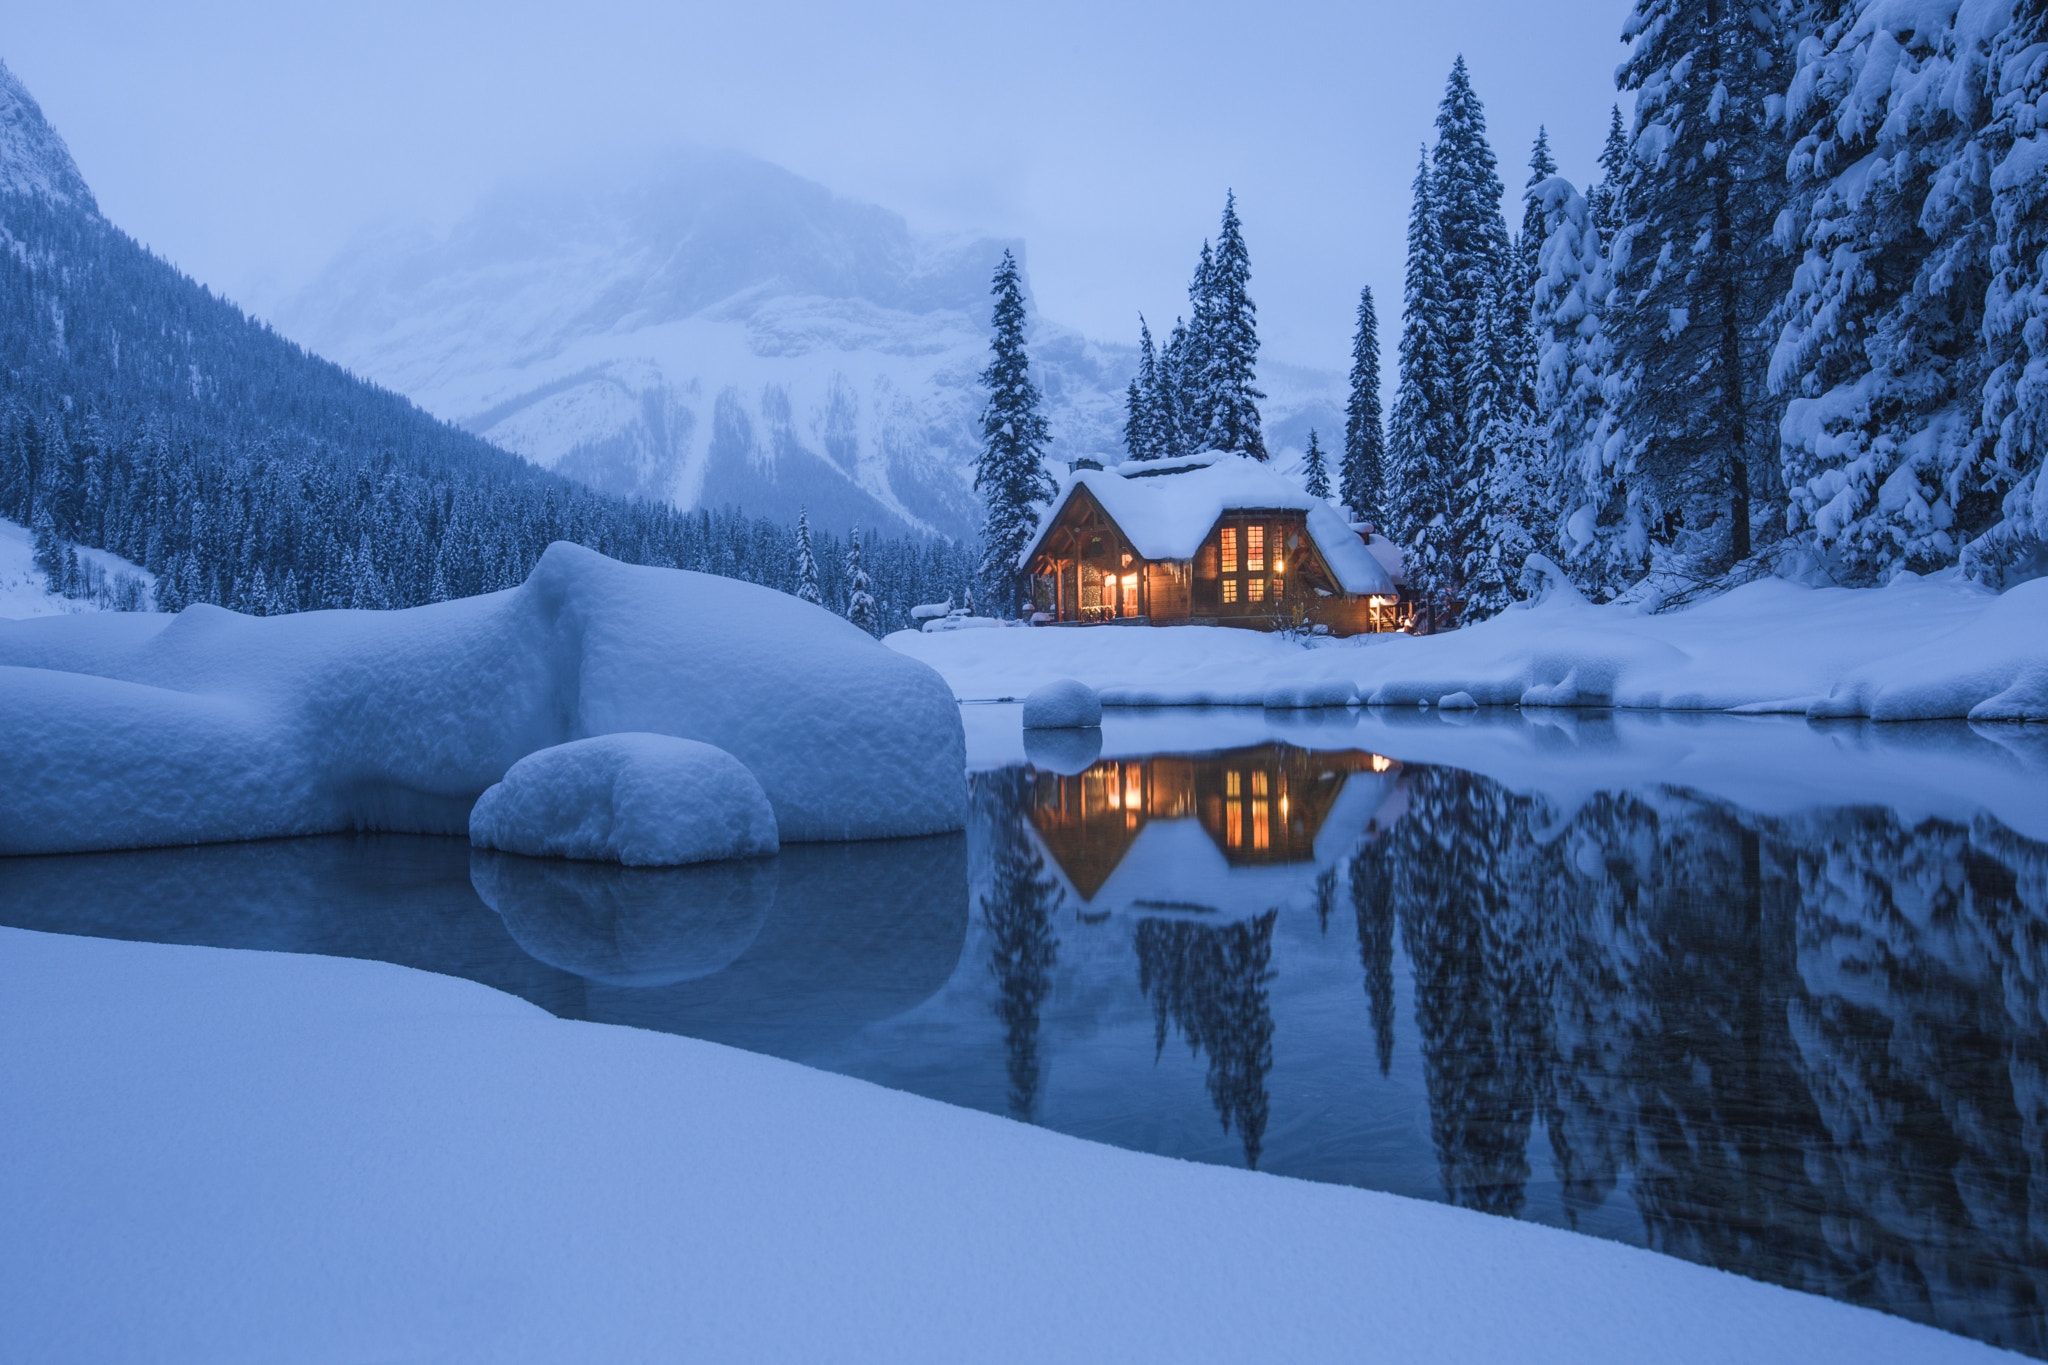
[(711, 329)]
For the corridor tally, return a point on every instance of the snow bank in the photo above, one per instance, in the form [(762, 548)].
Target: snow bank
[(135, 730), (638, 799), (1923, 648), (25, 588), (1062, 705), (238, 1156)]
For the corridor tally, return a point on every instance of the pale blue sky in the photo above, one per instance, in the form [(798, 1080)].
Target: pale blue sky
[(247, 141)]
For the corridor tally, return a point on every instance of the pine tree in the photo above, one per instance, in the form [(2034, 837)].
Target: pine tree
[(806, 562), (1492, 515), (1423, 435), (1315, 477), (1011, 474), (1695, 273), (860, 599), (1590, 516), (1196, 403), (1230, 349), (1141, 436), (1604, 199), (1174, 400), (1363, 470), (1465, 195), (1529, 243)]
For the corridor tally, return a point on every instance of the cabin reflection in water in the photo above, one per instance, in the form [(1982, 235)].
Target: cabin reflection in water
[(1270, 806)]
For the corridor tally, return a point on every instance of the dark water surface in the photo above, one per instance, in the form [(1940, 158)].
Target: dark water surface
[(1804, 1040)]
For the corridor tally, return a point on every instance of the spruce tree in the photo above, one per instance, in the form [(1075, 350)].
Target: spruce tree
[(1141, 404), (1363, 470), (1230, 349), (1492, 515), (1591, 519), (806, 561), (1197, 403), (1174, 403), (1010, 475), (1529, 243), (1314, 475), (1604, 199), (1465, 194), (1423, 436), (860, 599), (1695, 271)]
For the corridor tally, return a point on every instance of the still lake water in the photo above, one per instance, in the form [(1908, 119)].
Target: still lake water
[(1759, 994)]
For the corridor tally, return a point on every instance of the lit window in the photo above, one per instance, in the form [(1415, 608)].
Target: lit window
[(1258, 784), (1255, 548), (1230, 549), (1261, 836), (1233, 784), (1233, 824), (1230, 589), (1257, 589), (1279, 588), (1134, 787), (1381, 763), (1130, 594)]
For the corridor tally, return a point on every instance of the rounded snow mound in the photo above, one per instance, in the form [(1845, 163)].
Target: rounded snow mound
[(644, 800), (1295, 696), (1063, 705), (1457, 701)]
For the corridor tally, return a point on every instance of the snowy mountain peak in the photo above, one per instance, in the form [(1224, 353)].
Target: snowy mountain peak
[(33, 159)]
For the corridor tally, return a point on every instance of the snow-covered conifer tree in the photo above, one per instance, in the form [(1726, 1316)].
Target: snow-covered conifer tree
[(1010, 475), (1592, 520), (1314, 474), (806, 561), (1362, 472), (860, 598), (2015, 407), (1230, 349), (1465, 195), (1173, 397), (1880, 347), (1423, 435), (1604, 202), (1529, 242), (1490, 512), (1141, 404), (1695, 273)]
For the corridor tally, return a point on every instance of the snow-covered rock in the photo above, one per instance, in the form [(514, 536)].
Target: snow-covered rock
[(639, 799), (628, 926), (1062, 705), (135, 730), (1457, 701), (33, 159)]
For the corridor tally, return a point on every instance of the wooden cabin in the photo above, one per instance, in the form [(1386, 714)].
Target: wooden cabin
[(1216, 541)]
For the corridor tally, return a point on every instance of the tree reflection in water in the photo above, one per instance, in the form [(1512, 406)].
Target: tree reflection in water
[(1815, 1045), (1213, 983), (1018, 911)]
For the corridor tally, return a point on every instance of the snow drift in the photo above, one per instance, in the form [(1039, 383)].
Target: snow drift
[(1929, 648), (126, 731)]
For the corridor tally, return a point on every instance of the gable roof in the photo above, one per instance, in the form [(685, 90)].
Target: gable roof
[(1169, 515)]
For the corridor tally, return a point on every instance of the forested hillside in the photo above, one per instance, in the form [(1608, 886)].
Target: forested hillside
[(141, 414)]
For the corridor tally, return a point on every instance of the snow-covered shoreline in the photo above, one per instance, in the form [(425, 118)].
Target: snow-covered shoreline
[(232, 1156), (1921, 649)]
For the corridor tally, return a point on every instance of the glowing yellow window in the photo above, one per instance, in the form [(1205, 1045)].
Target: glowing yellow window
[(1130, 594), (1233, 823), (1230, 589), (1256, 589), (1258, 784), (1255, 548), (1230, 549), (1233, 783), (1261, 836), (1134, 786)]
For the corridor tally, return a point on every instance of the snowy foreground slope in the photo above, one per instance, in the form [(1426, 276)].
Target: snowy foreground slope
[(1921, 649), (25, 588), (236, 1156), (132, 730)]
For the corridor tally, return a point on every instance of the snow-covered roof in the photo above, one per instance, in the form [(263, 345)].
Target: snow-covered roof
[(1167, 515)]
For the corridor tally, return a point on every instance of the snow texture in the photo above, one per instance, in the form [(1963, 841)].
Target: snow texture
[(33, 158), (639, 799), (127, 731), (1062, 705), (1167, 516), (25, 588), (1300, 696), (1920, 649), (244, 1156)]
